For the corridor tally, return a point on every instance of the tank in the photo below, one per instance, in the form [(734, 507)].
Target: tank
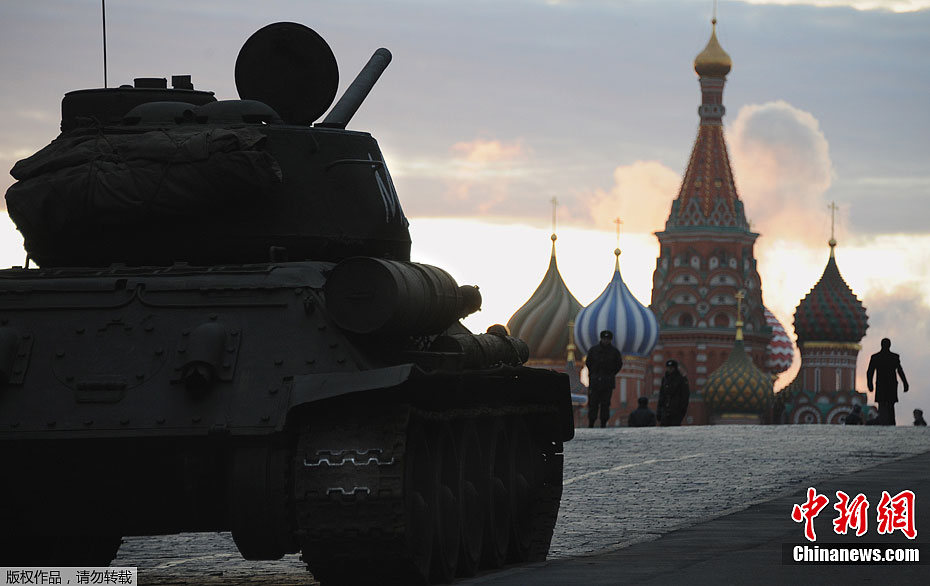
[(227, 334)]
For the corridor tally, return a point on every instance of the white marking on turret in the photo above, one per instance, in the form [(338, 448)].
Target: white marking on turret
[(388, 194)]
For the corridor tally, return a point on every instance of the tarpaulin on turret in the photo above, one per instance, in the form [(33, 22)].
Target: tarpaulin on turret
[(87, 181)]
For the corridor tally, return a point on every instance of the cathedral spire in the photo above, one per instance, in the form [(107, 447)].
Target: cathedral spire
[(708, 196), (555, 204), (618, 222)]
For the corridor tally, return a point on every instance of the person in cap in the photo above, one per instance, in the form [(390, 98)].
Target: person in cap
[(919, 417), (886, 365), (643, 416), (603, 362), (674, 395)]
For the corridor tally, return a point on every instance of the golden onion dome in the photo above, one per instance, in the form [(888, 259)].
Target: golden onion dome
[(713, 61), (738, 386)]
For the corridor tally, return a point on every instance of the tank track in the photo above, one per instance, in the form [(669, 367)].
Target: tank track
[(399, 494)]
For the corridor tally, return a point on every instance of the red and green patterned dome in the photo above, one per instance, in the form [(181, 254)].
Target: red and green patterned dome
[(780, 352), (831, 312)]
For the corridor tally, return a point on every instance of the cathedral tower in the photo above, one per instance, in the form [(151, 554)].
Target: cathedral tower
[(830, 322), (706, 250)]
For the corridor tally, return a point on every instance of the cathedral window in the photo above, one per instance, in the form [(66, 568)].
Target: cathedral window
[(721, 320), (816, 380), (685, 320)]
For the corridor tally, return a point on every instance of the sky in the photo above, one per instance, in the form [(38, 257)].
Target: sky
[(491, 108)]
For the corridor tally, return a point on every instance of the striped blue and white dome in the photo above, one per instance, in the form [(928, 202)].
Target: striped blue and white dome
[(635, 328)]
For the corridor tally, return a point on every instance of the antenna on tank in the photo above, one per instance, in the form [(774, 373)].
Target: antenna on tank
[(103, 11)]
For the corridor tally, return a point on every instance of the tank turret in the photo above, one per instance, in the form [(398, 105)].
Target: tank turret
[(151, 175)]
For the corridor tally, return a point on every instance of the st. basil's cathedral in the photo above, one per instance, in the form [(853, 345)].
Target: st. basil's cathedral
[(706, 310)]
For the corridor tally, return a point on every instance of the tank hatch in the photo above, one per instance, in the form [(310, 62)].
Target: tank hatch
[(291, 68)]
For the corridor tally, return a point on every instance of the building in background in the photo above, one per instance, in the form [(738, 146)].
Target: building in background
[(543, 322), (829, 323), (739, 392), (779, 354), (635, 331), (706, 255)]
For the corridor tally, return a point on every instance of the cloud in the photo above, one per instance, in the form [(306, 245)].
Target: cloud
[(38, 116), (473, 178), (903, 315), (488, 152), (781, 162), (890, 5), (15, 154), (480, 174), (641, 196)]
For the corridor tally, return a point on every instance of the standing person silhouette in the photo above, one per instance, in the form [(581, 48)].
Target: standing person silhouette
[(886, 365), (674, 396), (603, 362)]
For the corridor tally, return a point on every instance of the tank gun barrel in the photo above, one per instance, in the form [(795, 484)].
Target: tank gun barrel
[(356, 93)]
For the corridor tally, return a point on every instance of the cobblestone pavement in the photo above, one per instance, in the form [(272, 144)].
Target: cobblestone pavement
[(622, 486)]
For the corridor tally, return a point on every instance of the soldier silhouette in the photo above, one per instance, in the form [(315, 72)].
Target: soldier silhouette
[(674, 396), (886, 365), (604, 362)]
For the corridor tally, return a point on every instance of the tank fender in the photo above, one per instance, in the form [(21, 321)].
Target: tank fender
[(309, 388)]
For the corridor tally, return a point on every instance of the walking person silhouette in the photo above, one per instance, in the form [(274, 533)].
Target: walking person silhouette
[(886, 365)]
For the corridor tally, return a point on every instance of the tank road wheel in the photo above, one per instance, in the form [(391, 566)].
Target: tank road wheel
[(499, 473), (420, 488), (448, 525), (474, 497), (526, 480), (258, 503)]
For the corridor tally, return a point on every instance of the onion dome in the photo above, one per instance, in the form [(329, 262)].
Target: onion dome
[(780, 352), (634, 326), (830, 312), (713, 61), (542, 322), (738, 386)]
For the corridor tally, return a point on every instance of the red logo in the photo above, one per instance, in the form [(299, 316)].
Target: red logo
[(852, 514), (894, 513), (810, 509)]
